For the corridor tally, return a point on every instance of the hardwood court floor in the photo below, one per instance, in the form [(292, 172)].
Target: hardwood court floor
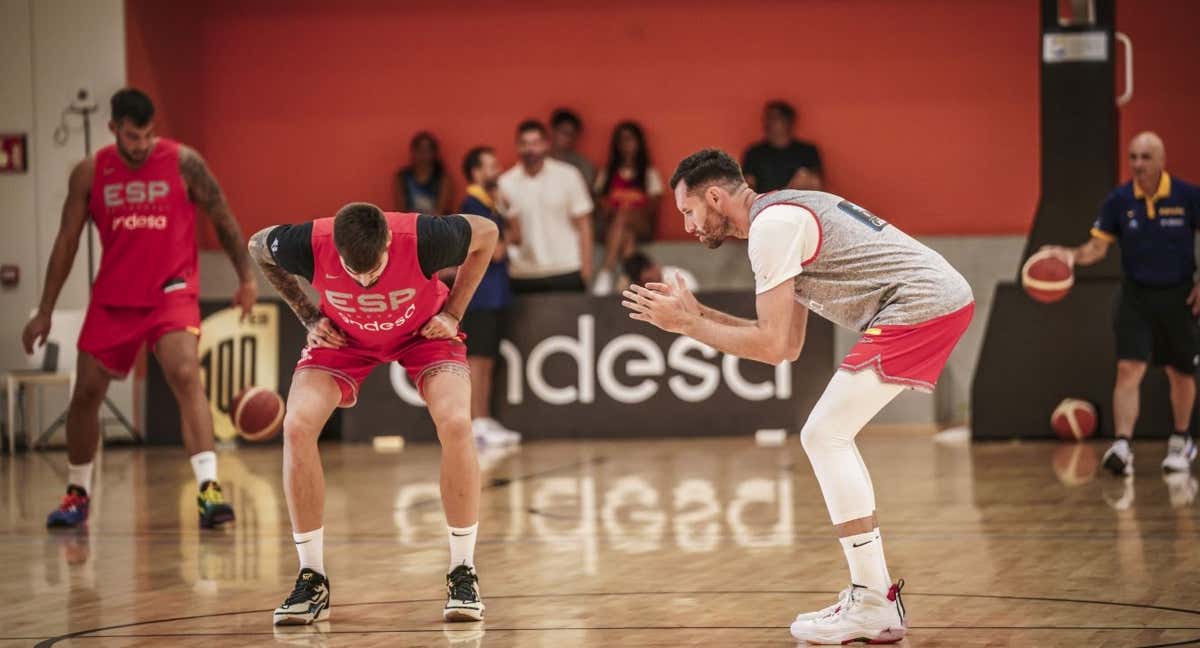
[(637, 543)]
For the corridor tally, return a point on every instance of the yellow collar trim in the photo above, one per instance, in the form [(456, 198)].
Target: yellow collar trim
[(481, 194), (1164, 190)]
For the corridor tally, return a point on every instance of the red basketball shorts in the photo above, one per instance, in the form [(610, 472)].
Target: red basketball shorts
[(351, 364), (912, 355), (115, 334)]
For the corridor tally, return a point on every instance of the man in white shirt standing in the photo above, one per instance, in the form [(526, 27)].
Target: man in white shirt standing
[(814, 251), (550, 204)]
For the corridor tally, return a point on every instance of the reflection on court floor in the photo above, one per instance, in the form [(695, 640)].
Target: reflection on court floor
[(712, 542)]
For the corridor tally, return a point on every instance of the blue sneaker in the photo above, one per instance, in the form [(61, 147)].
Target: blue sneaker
[(72, 512)]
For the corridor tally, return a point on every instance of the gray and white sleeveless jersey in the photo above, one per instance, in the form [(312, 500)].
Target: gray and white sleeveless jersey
[(866, 272)]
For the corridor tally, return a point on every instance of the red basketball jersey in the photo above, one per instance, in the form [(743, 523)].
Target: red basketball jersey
[(147, 226), (392, 309)]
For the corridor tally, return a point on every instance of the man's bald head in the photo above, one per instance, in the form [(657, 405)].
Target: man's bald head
[(1147, 159), (1148, 140)]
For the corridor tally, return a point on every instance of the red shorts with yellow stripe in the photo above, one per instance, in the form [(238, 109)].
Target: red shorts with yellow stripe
[(912, 355), (114, 334), (350, 365)]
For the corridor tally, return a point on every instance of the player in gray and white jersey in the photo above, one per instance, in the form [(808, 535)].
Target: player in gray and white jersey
[(816, 251)]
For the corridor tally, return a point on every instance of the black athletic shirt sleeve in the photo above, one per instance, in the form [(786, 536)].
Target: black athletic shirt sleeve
[(442, 242), (291, 247)]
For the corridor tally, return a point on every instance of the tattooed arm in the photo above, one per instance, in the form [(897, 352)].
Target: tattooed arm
[(321, 332), (204, 191)]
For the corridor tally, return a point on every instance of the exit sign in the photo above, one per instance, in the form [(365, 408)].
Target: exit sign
[(13, 153)]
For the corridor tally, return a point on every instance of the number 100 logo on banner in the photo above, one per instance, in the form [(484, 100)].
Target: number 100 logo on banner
[(235, 355)]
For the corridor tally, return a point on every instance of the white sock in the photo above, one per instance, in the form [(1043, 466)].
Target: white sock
[(864, 553), (204, 464), (80, 476), (462, 545), (311, 547)]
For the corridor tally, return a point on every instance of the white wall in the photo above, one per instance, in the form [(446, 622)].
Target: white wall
[(49, 49), (17, 202)]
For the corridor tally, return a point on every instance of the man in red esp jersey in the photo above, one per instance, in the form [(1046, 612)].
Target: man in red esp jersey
[(142, 193), (380, 302)]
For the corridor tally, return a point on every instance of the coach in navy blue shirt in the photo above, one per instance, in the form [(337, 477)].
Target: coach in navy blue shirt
[(1153, 218)]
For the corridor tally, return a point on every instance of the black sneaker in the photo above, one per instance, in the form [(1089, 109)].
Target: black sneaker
[(308, 602), (214, 509), (462, 597)]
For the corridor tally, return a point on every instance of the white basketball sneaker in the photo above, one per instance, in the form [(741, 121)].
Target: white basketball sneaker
[(862, 616), (1181, 452), (463, 601), (808, 616), (489, 432), (308, 602), (1118, 460)]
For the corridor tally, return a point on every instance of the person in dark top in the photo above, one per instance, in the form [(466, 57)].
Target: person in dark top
[(423, 187), (380, 302), (781, 161), (565, 129), (1154, 219), (487, 314)]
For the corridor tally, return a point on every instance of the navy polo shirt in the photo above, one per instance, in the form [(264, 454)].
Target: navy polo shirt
[(1156, 233), (493, 292)]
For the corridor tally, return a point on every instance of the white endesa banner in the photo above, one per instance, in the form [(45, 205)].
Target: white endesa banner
[(577, 366)]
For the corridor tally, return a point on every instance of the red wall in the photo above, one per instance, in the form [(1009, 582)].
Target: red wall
[(1166, 81), (926, 115)]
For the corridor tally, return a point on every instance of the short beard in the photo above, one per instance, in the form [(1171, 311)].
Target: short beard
[(724, 233), (129, 158)]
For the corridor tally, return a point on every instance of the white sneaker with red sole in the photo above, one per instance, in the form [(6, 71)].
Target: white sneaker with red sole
[(861, 616)]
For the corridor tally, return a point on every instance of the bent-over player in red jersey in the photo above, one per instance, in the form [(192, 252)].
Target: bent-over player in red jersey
[(142, 193), (380, 302)]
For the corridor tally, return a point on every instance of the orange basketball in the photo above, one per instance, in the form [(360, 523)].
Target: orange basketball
[(1074, 419), (1046, 277), (257, 413)]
